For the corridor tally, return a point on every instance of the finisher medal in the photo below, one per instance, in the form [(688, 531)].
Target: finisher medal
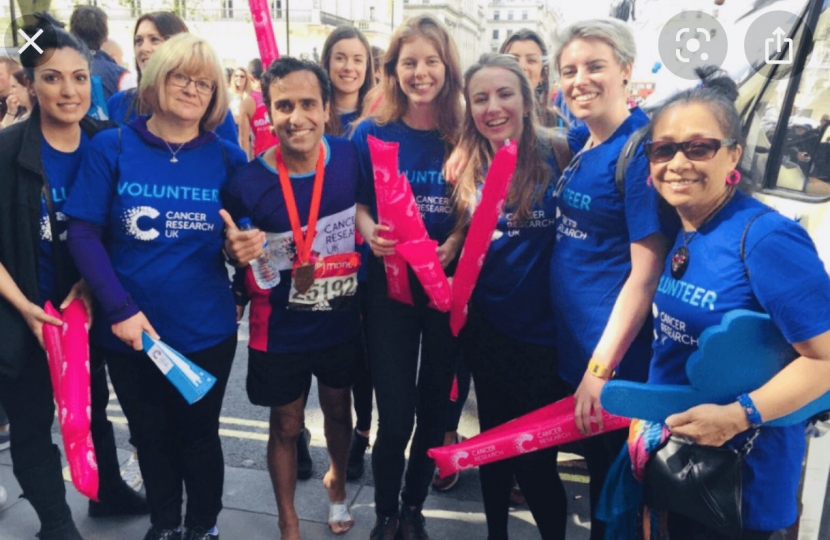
[(304, 277)]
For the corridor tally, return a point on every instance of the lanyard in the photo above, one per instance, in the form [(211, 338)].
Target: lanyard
[(303, 243)]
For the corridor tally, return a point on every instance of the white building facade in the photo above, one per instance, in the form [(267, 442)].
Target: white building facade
[(507, 16), (226, 24)]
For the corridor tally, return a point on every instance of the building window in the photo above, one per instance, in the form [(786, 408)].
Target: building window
[(509, 33), (495, 34), (524, 15), (510, 15), (227, 9), (496, 15)]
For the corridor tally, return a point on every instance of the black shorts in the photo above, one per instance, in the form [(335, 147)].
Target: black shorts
[(277, 379)]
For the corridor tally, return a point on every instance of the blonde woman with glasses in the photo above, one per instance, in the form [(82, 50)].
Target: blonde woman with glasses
[(146, 231)]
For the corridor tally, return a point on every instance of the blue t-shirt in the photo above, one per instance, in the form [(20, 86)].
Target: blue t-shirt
[(346, 120), (60, 168), (121, 110), (420, 157), (255, 192), (163, 232), (512, 290), (595, 226), (788, 281)]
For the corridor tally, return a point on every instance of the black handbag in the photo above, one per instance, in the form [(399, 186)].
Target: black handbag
[(703, 483)]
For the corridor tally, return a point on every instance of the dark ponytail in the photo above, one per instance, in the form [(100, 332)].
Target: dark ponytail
[(52, 36), (716, 91)]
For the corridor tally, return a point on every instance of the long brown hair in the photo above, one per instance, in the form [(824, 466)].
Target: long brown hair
[(394, 103), (532, 175), (168, 24), (334, 127)]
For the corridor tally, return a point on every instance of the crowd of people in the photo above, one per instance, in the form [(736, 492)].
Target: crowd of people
[(140, 215)]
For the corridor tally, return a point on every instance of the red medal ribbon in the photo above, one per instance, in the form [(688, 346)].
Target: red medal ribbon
[(303, 242), (484, 222)]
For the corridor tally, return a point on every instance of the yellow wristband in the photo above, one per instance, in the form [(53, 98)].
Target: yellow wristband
[(597, 369)]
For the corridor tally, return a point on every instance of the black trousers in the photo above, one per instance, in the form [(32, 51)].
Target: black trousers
[(405, 387), (177, 443), (362, 389), (30, 406), (513, 378)]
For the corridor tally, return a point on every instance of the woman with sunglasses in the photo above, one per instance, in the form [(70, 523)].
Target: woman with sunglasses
[(151, 31), (609, 251), (239, 89), (694, 155), (150, 248)]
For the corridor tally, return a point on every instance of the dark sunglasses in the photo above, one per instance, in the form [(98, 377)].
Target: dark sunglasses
[(694, 149)]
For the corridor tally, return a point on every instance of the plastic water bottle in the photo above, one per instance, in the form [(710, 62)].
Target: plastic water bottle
[(266, 274)]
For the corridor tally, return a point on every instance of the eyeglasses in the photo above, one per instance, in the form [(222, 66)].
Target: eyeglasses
[(203, 86), (695, 149)]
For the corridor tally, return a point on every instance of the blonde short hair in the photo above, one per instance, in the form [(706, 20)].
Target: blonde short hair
[(192, 55)]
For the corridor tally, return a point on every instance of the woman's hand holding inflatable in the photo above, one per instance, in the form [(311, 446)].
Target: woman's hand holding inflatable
[(80, 290), (35, 317), (587, 408), (129, 330)]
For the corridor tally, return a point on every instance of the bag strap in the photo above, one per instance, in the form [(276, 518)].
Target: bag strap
[(746, 232), (627, 154)]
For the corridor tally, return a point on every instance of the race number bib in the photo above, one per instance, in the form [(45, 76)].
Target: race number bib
[(335, 282)]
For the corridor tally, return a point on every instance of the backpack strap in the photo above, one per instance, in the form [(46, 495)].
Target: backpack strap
[(627, 153), (746, 232)]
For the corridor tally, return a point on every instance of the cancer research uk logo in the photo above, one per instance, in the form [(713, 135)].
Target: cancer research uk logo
[(143, 223)]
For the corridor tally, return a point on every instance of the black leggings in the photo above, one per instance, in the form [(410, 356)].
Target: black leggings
[(177, 443), (513, 378), (406, 387), (362, 389)]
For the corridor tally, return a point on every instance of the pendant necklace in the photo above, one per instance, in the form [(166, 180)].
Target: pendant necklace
[(174, 159), (680, 257)]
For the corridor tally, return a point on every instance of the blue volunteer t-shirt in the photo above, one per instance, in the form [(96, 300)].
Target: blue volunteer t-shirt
[(163, 232), (420, 157), (595, 226), (512, 291), (61, 168), (788, 281), (120, 106), (255, 192)]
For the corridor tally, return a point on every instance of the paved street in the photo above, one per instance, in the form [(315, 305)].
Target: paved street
[(250, 509)]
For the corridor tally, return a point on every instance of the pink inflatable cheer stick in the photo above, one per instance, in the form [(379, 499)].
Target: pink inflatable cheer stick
[(398, 210), (517, 437), (484, 222), (264, 29), (54, 351), (72, 393), (422, 256)]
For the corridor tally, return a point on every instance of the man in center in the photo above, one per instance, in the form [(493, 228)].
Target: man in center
[(300, 197)]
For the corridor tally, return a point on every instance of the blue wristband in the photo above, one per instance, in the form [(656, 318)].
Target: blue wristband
[(751, 410)]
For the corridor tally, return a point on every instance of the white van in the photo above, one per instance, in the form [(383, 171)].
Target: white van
[(785, 109)]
